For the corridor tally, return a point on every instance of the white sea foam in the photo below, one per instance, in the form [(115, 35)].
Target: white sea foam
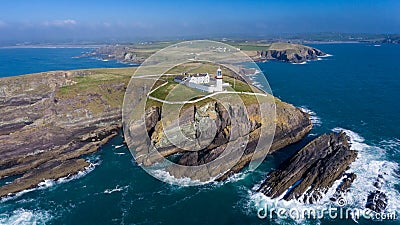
[(393, 146), (119, 153), (301, 63), (118, 146), (23, 216), (50, 183), (315, 120), (237, 177), (166, 176), (371, 162), (116, 189), (324, 56)]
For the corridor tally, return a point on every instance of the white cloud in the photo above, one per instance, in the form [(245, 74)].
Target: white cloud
[(60, 23)]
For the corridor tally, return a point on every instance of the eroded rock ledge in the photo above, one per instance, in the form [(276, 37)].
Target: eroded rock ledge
[(49, 120), (309, 173)]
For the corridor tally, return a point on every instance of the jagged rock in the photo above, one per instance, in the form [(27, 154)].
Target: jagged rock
[(344, 186), (377, 201), (379, 181), (291, 126), (51, 119), (309, 173)]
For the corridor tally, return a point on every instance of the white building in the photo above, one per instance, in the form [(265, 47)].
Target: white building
[(200, 78), (203, 82)]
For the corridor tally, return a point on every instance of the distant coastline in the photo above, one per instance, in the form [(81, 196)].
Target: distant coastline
[(53, 46)]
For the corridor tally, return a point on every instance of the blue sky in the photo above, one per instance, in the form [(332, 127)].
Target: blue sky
[(50, 19)]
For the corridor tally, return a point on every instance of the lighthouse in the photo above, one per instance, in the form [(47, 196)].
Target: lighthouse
[(218, 77)]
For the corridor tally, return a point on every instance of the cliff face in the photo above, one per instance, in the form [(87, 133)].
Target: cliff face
[(309, 173), (197, 121), (49, 120)]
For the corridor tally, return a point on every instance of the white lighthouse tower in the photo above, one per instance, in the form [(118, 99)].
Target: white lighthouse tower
[(218, 77)]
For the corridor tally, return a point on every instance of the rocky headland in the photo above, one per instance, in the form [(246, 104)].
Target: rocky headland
[(286, 52), (279, 51), (292, 125), (51, 120)]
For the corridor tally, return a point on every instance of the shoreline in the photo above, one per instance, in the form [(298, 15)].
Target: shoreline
[(72, 165), (51, 46)]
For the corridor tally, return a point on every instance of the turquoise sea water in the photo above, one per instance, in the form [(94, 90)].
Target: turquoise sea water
[(17, 61), (356, 90)]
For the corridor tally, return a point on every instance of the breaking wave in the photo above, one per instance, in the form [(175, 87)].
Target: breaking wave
[(50, 183), (371, 162), (23, 216), (315, 120)]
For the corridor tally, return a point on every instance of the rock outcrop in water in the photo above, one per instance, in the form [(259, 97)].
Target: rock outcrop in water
[(309, 173), (377, 201), (286, 52), (344, 186)]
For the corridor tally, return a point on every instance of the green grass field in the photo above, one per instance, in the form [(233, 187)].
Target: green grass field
[(179, 92)]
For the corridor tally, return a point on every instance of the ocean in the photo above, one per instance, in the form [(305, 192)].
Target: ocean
[(355, 90), (18, 61)]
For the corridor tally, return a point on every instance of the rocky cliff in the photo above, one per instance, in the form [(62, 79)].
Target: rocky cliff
[(50, 120), (196, 121), (309, 173)]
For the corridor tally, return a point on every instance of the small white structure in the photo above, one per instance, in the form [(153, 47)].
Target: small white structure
[(218, 77), (201, 87), (200, 78), (203, 82)]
